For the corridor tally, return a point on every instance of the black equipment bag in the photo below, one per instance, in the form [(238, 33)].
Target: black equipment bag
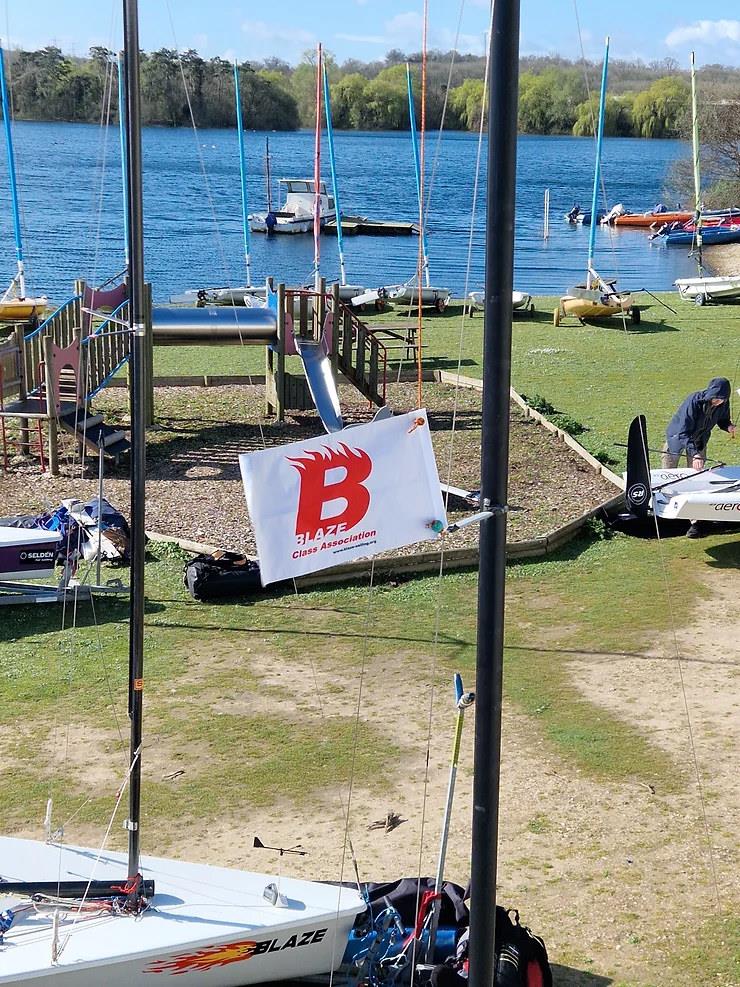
[(221, 576)]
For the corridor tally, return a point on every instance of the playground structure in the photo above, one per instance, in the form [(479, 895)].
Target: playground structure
[(50, 375)]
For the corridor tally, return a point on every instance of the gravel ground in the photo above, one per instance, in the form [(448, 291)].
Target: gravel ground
[(194, 489)]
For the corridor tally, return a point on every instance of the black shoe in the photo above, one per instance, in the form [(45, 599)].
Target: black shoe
[(694, 531)]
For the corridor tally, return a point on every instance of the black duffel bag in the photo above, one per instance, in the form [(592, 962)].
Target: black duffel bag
[(222, 575)]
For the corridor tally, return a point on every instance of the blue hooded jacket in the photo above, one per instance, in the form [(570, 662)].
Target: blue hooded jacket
[(692, 424)]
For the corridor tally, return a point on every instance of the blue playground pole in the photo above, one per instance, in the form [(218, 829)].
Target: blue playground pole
[(20, 277), (597, 170), (334, 185), (243, 173), (124, 153), (417, 168)]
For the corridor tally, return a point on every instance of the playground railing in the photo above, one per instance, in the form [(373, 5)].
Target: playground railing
[(107, 348), (61, 326)]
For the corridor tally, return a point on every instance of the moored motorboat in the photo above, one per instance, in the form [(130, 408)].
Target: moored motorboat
[(296, 213), (646, 220)]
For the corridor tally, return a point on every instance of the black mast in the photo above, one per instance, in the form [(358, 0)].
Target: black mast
[(138, 418), (502, 138)]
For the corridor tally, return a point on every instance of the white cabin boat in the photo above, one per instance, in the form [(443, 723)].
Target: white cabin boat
[(296, 213)]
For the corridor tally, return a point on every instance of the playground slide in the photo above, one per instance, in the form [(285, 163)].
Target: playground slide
[(321, 383)]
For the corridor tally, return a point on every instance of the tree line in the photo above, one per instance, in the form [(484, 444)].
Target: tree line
[(555, 96)]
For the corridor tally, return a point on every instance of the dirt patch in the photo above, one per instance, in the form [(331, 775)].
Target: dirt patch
[(194, 488)]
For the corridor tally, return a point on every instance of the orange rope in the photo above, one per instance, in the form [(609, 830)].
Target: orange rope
[(420, 262)]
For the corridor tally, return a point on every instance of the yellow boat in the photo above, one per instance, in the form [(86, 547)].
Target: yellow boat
[(587, 304), (21, 309)]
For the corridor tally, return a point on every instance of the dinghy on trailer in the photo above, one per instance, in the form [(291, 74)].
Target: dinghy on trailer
[(15, 305), (711, 494), (598, 298)]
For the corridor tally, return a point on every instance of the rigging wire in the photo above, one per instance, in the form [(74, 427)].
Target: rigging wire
[(438, 143), (677, 658)]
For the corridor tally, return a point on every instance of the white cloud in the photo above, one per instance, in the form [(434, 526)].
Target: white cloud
[(262, 31), (705, 32), (365, 39)]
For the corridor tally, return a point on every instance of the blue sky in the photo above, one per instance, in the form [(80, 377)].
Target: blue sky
[(366, 29)]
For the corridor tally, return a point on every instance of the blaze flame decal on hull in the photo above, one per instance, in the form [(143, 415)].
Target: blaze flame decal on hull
[(233, 952)]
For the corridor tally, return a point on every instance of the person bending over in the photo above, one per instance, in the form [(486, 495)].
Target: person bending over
[(689, 430)]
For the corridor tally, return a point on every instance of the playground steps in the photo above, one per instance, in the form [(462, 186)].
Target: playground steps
[(93, 432)]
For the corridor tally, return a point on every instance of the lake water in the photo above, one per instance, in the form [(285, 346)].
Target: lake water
[(70, 186)]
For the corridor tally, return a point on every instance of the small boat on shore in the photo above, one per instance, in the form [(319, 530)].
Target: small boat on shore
[(521, 301), (296, 213), (714, 289), (598, 298), (15, 305)]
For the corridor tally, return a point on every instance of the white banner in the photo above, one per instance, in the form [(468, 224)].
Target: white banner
[(345, 496)]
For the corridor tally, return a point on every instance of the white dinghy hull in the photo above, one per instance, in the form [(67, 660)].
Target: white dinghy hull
[(720, 288), (207, 926), (713, 495)]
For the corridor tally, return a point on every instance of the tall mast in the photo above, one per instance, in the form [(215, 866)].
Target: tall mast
[(317, 177), (334, 183), (137, 325), (590, 272), (500, 199), (697, 173), (267, 174), (243, 174), (417, 170), (20, 277), (124, 152)]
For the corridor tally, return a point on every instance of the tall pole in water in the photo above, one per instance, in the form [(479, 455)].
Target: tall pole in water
[(591, 273), (417, 170), (697, 172), (334, 183), (20, 277), (317, 179), (124, 153), (137, 326), (243, 175), (500, 196)]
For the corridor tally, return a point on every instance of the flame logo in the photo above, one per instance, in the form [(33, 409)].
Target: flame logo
[(206, 959), (315, 492)]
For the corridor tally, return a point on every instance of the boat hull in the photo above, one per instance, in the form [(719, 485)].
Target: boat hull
[(711, 289), (209, 926), (21, 309), (27, 553), (693, 496), (587, 304), (409, 294), (650, 219)]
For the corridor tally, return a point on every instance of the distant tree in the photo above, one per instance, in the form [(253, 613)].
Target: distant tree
[(348, 101), (466, 102), (617, 117), (659, 110)]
